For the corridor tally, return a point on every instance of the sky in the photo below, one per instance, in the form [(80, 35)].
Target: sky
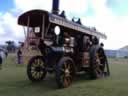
[(108, 16)]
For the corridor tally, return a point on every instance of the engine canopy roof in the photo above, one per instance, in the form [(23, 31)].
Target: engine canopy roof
[(34, 18)]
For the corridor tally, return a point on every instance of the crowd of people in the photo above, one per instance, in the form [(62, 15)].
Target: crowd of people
[(4, 54)]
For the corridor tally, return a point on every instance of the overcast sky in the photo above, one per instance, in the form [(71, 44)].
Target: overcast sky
[(108, 16)]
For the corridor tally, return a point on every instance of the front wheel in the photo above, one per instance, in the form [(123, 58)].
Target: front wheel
[(65, 72), (36, 69)]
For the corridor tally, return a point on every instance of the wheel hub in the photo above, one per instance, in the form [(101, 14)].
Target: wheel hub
[(38, 69), (67, 71)]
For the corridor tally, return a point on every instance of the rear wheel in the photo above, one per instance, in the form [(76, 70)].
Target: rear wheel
[(97, 62), (36, 69), (65, 72)]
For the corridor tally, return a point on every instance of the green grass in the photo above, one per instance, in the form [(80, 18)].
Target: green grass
[(14, 82)]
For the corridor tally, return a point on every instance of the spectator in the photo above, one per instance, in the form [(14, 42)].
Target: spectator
[(3, 54), (19, 56), (0, 62), (102, 56)]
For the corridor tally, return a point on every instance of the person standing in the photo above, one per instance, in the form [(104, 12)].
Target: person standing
[(0, 62), (19, 56), (102, 56)]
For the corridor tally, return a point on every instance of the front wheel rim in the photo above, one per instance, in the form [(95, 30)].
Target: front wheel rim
[(36, 69)]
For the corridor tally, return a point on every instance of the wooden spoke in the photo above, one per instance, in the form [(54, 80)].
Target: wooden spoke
[(34, 74), (42, 65), (34, 64), (65, 65), (36, 61), (68, 66), (32, 71), (66, 84), (32, 68), (98, 69), (41, 72), (67, 81)]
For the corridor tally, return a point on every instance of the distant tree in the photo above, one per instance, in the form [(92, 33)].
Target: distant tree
[(11, 47)]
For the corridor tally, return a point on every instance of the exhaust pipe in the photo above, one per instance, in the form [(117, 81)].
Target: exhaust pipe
[(55, 7)]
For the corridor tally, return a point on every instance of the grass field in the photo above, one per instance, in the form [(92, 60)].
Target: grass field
[(14, 82)]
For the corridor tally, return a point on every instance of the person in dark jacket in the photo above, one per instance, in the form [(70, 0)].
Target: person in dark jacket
[(102, 56), (0, 62), (19, 56)]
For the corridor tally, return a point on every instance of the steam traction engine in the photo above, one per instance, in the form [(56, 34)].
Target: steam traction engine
[(67, 47)]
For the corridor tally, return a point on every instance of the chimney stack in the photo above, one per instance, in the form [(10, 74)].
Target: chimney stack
[(55, 7)]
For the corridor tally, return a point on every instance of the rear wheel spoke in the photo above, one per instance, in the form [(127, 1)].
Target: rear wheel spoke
[(65, 82), (99, 71), (68, 67)]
